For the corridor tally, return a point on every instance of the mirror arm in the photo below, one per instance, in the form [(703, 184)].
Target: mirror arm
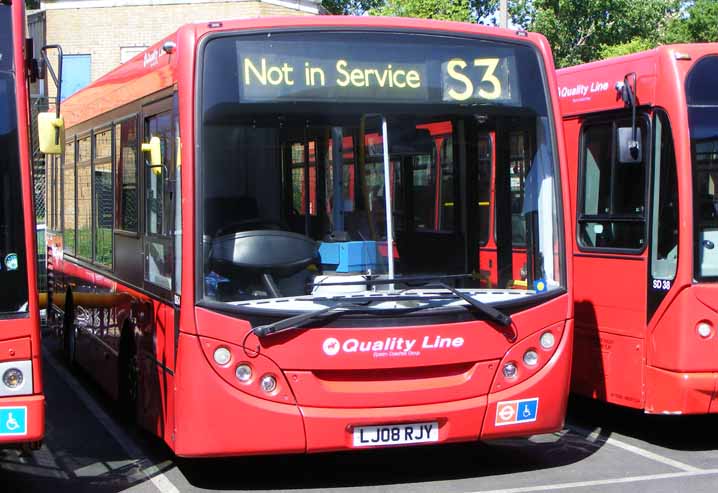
[(634, 103)]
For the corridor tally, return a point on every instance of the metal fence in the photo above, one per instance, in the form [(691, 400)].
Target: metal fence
[(39, 175)]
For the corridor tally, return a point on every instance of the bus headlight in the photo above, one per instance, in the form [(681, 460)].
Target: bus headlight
[(704, 329), (268, 383), (530, 357), (547, 340), (12, 378), (222, 356), (510, 370), (243, 372)]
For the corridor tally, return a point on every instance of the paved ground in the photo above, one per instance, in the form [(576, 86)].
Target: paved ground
[(602, 448)]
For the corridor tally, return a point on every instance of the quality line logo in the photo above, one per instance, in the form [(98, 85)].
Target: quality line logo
[(390, 346)]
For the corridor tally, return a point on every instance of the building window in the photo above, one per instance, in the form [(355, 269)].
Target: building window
[(76, 74), (129, 52)]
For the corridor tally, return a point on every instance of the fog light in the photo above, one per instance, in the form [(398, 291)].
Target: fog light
[(222, 356), (704, 329), (243, 372), (510, 370), (530, 357), (547, 340), (12, 378), (268, 383)]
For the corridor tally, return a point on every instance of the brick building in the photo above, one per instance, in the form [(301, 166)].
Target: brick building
[(98, 35)]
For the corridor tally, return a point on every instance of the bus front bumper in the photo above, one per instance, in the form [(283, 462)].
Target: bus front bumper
[(670, 392), (22, 419), (215, 419)]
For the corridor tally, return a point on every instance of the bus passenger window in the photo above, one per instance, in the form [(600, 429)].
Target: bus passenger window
[(612, 210), (158, 255), (126, 202), (103, 194)]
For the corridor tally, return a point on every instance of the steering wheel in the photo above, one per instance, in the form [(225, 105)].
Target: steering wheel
[(255, 223)]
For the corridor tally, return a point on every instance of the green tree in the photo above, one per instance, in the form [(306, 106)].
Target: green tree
[(698, 23), (453, 10), (350, 7), (633, 46), (583, 31)]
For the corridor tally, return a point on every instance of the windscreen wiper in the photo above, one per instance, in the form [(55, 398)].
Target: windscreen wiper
[(346, 306), (355, 305), (492, 313), (436, 281)]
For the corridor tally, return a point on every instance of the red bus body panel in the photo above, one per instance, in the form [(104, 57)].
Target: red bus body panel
[(660, 364), (20, 337), (200, 409)]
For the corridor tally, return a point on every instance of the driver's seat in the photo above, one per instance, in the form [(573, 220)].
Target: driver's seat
[(221, 212)]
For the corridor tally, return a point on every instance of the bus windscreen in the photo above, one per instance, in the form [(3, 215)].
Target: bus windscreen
[(13, 272), (336, 157), (703, 121)]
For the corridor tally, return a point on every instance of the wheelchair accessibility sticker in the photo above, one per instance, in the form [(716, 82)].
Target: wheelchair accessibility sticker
[(13, 421), (515, 412)]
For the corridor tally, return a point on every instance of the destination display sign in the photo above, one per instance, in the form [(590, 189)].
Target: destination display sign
[(313, 71)]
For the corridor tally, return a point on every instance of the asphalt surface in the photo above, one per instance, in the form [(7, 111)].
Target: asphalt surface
[(602, 448)]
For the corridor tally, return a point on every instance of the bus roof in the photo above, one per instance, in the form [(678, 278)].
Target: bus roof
[(153, 70), (591, 87)]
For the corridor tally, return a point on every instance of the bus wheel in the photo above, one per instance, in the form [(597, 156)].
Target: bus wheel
[(128, 375), (69, 337)]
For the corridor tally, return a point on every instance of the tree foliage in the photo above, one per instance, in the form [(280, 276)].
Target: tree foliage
[(350, 7), (452, 10), (579, 30), (584, 31), (699, 22)]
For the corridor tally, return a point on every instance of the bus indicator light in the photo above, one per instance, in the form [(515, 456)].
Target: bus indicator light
[(704, 330), (222, 356), (243, 372), (531, 357), (268, 383), (12, 378), (510, 370), (547, 340)]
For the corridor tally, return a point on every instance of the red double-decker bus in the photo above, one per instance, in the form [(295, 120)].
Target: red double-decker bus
[(244, 245), (642, 143), (22, 404)]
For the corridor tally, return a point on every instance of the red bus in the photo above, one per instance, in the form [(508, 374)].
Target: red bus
[(642, 143), (22, 403), (243, 248)]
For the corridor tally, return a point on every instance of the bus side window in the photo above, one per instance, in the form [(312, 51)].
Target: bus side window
[(612, 203), (158, 246), (68, 198), (664, 229)]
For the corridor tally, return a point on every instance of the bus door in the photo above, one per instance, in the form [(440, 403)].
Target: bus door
[(611, 261), (485, 164), (429, 200), (299, 160), (156, 345)]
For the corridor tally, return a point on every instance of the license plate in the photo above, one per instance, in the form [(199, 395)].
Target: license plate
[(374, 436)]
